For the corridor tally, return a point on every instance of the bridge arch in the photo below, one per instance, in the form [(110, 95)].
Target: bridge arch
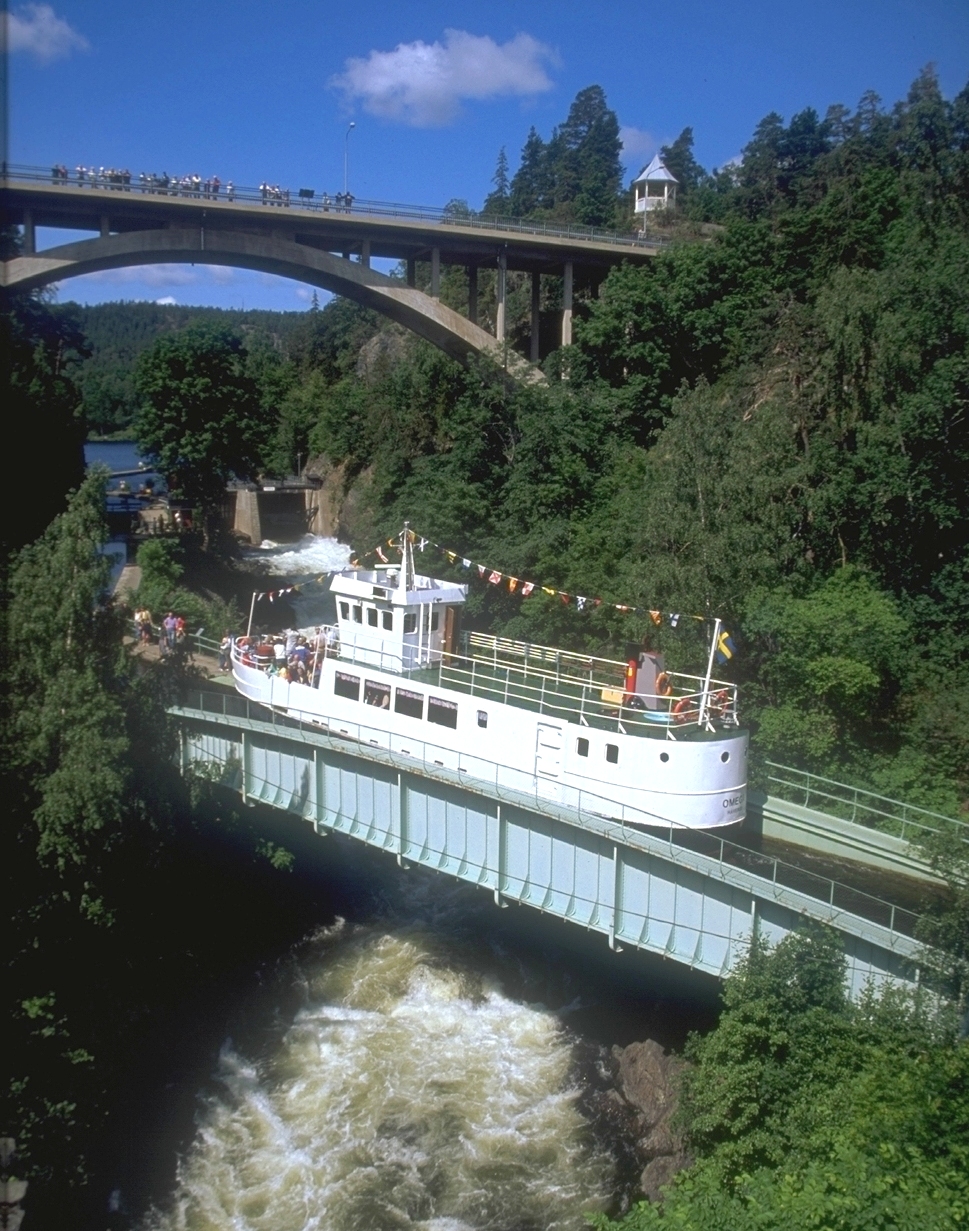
[(428, 318)]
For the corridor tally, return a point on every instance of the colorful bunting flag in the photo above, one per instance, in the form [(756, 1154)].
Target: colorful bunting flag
[(512, 584), (527, 588), (495, 577), (656, 617)]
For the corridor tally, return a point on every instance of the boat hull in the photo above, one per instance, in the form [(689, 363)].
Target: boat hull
[(687, 780)]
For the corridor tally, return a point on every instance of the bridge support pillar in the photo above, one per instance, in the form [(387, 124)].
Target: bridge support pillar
[(105, 227), (536, 305), (30, 235), (500, 314), (435, 273), (365, 254), (473, 294), (411, 271), (567, 305)]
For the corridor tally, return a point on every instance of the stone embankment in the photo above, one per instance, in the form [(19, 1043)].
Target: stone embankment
[(648, 1082), (632, 1095)]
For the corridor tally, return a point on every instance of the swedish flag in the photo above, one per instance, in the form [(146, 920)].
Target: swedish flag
[(725, 648)]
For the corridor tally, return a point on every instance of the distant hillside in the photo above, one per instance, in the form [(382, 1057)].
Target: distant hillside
[(118, 333)]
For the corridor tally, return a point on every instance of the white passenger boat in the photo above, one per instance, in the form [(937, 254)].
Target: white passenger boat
[(627, 740)]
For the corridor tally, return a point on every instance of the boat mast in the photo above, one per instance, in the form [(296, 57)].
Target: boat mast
[(406, 560), (705, 699)]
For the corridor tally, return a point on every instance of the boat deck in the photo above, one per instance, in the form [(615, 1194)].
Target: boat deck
[(586, 704)]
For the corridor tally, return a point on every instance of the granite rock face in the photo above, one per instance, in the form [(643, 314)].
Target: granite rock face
[(648, 1080)]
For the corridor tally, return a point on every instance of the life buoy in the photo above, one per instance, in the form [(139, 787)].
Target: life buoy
[(720, 703), (684, 710), (664, 685)]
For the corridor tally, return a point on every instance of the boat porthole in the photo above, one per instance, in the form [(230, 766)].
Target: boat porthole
[(664, 756), (724, 756)]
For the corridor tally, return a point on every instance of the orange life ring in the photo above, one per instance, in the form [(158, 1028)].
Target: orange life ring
[(684, 710), (720, 703), (664, 685)]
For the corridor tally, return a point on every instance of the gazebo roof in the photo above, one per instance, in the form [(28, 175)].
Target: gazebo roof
[(655, 171)]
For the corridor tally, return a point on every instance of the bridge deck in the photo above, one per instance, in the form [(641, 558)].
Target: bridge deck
[(394, 231)]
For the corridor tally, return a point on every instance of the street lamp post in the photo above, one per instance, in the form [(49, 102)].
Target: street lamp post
[(346, 157)]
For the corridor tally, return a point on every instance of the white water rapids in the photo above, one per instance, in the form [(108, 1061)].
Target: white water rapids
[(312, 554), (408, 1092)]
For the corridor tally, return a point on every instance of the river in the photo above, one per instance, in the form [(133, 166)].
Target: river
[(424, 1064)]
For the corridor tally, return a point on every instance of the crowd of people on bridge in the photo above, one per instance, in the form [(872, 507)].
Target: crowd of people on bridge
[(211, 189)]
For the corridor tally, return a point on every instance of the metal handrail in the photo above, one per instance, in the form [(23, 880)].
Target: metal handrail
[(856, 799), (432, 759), (457, 671), (327, 205)]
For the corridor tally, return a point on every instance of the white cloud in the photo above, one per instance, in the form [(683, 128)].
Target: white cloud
[(422, 84), (167, 301), (36, 29), (637, 145), (156, 276)]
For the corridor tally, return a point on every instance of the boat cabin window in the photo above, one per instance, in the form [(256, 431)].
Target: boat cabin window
[(375, 693), (344, 611), (410, 622), (582, 747), (482, 718), (411, 704), (372, 616), (444, 713), (357, 614), (435, 616), (388, 621), (612, 753), (347, 686)]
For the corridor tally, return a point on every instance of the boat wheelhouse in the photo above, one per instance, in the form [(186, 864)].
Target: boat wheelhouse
[(637, 741)]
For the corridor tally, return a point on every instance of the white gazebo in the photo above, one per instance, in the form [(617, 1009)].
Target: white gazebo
[(655, 187)]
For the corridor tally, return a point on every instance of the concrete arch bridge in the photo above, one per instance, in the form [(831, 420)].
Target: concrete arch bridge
[(311, 241)]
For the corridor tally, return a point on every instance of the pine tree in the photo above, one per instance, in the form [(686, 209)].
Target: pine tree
[(497, 200), (528, 191), (680, 162)]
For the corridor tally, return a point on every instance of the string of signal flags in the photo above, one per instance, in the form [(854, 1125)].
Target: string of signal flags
[(725, 648)]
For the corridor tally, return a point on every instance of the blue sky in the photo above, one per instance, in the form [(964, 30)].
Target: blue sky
[(251, 90)]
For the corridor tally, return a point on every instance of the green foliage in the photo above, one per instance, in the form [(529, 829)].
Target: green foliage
[(828, 664), (41, 351), (200, 417), (806, 1111), (575, 177)]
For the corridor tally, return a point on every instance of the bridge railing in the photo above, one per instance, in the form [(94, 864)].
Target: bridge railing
[(325, 204), (861, 807), (516, 787)]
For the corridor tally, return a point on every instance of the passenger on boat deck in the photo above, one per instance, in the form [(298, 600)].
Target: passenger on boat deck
[(301, 653), (292, 636), (279, 651)]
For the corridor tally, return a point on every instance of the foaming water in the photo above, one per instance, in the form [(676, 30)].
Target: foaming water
[(312, 554), (409, 1092)]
